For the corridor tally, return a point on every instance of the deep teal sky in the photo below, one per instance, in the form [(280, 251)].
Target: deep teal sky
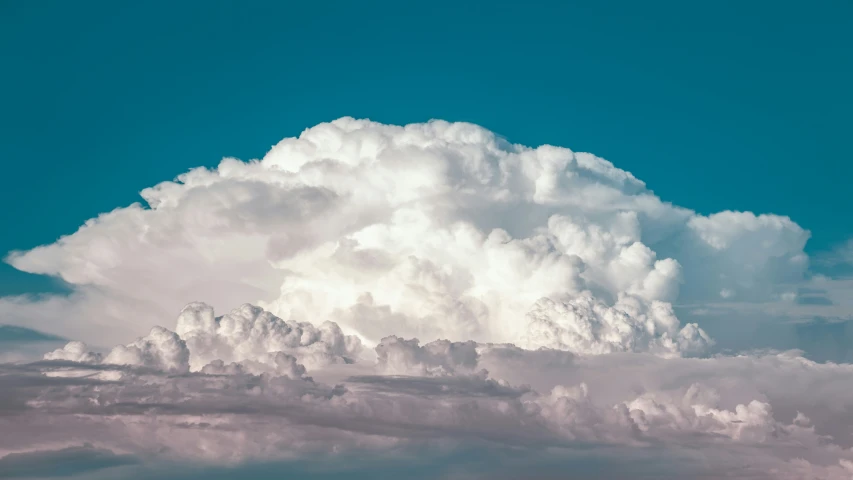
[(715, 104)]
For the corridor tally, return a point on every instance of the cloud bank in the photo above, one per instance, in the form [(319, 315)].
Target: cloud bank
[(424, 288), (171, 397)]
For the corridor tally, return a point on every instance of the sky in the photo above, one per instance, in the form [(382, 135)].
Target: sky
[(716, 105), (248, 238)]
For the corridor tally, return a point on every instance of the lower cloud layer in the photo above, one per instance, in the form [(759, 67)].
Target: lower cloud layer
[(251, 387)]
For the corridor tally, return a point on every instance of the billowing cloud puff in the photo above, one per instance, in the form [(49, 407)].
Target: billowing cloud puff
[(248, 339), (75, 352), (161, 349), (251, 334), (420, 288), (397, 355), (584, 324), (746, 255)]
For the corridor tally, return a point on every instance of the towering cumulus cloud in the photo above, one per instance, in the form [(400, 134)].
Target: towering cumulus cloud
[(437, 230), (421, 289)]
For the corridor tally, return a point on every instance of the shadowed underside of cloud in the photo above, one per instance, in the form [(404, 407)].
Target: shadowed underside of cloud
[(430, 296), (191, 397)]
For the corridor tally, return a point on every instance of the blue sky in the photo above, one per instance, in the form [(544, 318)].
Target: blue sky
[(715, 105), (491, 311)]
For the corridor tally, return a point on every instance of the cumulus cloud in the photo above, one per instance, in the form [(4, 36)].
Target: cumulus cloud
[(249, 333), (435, 230), (420, 288), (246, 340), (397, 355), (75, 352), (586, 325)]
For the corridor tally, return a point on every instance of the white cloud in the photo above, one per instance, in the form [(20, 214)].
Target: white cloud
[(584, 324), (436, 230), (249, 333), (441, 357), (399, 271), (75, 352)]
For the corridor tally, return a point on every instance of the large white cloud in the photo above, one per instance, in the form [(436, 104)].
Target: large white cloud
[(420, 287), (431, 230)]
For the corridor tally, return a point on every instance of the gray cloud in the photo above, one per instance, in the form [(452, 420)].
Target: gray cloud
[(750, 412)]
